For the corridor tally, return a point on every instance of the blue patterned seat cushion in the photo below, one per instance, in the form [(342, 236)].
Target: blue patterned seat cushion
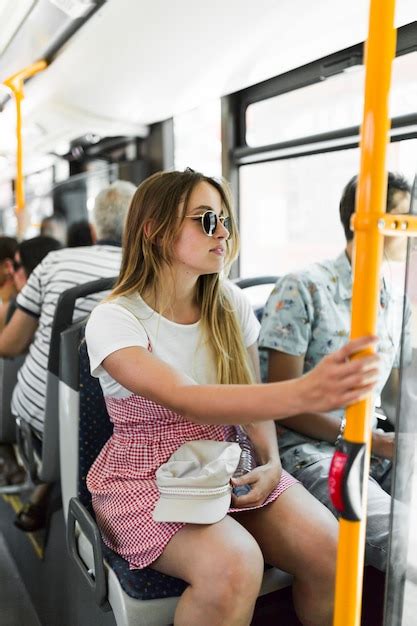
[(94, 430), (143, 584)]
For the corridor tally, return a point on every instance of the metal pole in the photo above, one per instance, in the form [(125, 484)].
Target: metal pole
[(367, 257), (15, 84)]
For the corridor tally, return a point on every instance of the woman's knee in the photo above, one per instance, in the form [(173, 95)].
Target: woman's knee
[(322, 551), (237, 573), (312, 532)]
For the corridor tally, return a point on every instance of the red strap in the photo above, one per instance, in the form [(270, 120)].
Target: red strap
[(336, 475)]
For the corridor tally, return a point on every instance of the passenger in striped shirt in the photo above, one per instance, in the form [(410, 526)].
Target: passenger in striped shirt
[(30, 326)]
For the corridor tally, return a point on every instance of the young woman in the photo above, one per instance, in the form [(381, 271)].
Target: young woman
[(175, 351)]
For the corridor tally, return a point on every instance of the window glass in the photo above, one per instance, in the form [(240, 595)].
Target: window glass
[(289, 209), (75, 196), (7, 214), (38, 200), (401, 600), (61, 170), (197, 139), (335, 103), (6, 194)]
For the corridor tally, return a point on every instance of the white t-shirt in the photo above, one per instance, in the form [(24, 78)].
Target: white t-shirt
[(129, 321)]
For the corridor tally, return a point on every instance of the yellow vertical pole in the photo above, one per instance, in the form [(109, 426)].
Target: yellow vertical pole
[(367, 257), (20, 191), (15, 84)]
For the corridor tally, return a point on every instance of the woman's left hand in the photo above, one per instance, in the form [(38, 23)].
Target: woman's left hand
[(262, 479)]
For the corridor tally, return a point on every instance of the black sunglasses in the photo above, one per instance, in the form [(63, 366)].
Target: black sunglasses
[(17, 265), (209, 221)]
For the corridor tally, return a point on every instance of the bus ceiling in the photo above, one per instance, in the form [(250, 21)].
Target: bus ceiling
[(38, 29)]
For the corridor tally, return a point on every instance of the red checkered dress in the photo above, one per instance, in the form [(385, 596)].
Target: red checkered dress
[(122, 479)]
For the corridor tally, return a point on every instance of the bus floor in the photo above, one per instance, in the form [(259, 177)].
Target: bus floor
[(56, 592), (11, 588)]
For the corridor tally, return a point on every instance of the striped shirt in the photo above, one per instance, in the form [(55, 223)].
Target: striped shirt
[(59, 271)]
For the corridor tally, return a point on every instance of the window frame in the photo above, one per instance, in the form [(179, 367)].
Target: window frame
[(236, 152)]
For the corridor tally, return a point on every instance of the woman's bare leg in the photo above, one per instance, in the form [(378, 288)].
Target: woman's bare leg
[(224, 567), (299, 535)]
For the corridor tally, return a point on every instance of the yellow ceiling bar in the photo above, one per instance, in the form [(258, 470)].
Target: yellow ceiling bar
[(370, 223), (15, 83)]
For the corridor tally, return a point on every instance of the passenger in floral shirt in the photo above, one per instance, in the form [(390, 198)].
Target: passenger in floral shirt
[(307, 316)]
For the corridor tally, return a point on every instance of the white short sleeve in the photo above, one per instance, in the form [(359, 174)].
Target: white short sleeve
[(244, 311), (111, 327)]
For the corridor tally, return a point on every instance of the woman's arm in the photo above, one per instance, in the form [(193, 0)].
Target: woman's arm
[(17, 335), (335, 382), (4, 307), (262, 434)]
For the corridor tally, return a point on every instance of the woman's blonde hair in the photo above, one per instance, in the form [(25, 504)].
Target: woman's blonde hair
[(152, 227)]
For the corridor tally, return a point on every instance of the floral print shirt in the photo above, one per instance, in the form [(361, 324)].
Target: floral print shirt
[(308, 314)]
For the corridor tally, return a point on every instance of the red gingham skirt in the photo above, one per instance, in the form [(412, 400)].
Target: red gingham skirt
[(122, 479)]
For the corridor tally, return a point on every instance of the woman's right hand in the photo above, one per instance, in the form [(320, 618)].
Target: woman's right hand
[(338, 381)]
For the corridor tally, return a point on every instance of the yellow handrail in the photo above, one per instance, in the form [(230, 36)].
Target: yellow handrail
[(15, 84), (367, 257)]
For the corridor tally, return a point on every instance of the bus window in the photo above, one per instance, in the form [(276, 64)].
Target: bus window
[(333, 104), (289, 209), (401, 596)]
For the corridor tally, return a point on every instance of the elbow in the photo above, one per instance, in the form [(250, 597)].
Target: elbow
[(180, 399), (193, 418), (9, 352), (178, 403)]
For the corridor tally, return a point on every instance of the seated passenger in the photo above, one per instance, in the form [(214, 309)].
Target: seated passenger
[(179, 365), (80, 234), (28, 255), (308, 316), (8, 247), (32, 321)]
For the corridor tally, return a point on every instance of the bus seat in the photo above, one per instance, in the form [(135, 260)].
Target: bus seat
[(43, 464), (9, 368), (8, 379), (257, 281), (137, 597)]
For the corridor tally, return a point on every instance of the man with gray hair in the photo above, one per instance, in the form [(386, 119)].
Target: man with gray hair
[(32, 321), (110, 210)]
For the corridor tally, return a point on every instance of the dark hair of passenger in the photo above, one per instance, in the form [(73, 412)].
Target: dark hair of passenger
[(32, 251), (8, 246), (396, 182), (79, 234)]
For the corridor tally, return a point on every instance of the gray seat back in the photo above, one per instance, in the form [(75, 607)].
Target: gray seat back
[(69, 411), (8, 378)]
